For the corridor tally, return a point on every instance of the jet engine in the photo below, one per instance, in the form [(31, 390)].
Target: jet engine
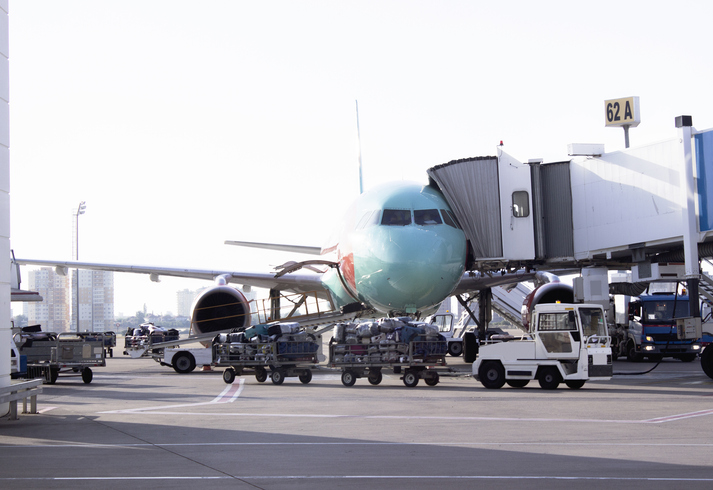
[(552, 292), (220, 307)]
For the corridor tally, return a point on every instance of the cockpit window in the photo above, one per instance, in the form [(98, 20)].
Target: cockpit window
[(427, 217), (370, 218), (396, 217), (448, 218)]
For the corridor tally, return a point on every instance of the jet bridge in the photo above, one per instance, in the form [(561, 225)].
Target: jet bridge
[(622, 210)]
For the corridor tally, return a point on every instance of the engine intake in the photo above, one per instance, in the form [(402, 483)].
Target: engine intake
[(220, 308)]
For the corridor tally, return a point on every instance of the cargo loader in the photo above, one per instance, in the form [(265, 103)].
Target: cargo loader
[(565, 343)]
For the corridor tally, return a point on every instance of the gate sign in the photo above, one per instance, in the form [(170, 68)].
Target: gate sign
[(622, 112)]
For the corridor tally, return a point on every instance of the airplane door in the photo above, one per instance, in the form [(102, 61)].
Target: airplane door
[(518, 230)]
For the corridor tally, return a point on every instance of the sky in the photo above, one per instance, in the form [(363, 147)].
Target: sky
[(183, 124)]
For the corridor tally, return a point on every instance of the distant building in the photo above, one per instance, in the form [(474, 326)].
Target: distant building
[(95, 301), (184, 301), (52, 313)]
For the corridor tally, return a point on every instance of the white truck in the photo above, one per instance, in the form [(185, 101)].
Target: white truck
[(566, 342)]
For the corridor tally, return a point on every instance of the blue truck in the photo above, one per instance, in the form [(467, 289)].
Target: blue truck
[(650, 329)]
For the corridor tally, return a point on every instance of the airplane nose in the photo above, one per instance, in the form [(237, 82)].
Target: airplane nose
[(417, 268)]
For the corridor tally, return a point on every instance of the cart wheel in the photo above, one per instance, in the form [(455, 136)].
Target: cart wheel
[(229, 376), (278, 376), (87, 375), (54, 373), (305, 376), (260, 374), (549, 378), (348, 378), (410, 378), (575, 384), (432, 380), (492, 374), (375, 377)]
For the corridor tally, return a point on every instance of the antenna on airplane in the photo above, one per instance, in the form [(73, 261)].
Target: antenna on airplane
[(361, 182)]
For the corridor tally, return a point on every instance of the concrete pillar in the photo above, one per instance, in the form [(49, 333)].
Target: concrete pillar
[(5, 312), (689, 218)]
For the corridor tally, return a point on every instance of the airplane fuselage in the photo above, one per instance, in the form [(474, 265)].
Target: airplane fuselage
[(400, 251)]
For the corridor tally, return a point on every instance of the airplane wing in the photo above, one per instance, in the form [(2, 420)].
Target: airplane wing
[(300, 283), (276, 246)]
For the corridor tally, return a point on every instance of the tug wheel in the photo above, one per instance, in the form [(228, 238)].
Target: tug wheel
[(549, 378), (575, 384), (492, 374)]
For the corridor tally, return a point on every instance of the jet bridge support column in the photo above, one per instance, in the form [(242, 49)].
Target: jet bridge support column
[(690, 227)]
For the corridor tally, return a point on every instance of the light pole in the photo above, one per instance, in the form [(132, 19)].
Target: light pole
[(80, 210)]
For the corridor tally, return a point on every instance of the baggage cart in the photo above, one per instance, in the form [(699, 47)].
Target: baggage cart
[(109, 343), (415, 360), (284, 358), (67, 352)]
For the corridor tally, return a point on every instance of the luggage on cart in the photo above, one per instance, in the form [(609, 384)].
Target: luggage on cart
[(363, 350), (283, 348)]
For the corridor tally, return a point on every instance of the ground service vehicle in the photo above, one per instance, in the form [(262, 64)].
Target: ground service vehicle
[(566, 342), (47, 353), (649, 329)]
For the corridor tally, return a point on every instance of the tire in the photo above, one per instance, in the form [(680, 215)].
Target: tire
[(410, 378), (575, 384), (687, 357), (375, 377), (278, 377), (183, 362), (348, 378), (492, 374), (261, 374), (470, 347), (432, 380), (229, 376), (631, 354), (707, 360), (517, 383), (54, 374), (549, 378), (305, 376), (87, 375), (455, 349)]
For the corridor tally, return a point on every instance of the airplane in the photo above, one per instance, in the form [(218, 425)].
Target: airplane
[(399, 252)]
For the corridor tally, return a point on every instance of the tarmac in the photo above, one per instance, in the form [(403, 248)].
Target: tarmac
[(141, 425)]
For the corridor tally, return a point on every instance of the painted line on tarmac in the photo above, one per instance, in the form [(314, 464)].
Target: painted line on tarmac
[(367, 477), (157, 411), (231, 392), (229, 395), (680, 416), (353, 443)]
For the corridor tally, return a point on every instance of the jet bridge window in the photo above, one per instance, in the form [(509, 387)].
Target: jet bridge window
[(396, 217), (520, 204), (427, 217)]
